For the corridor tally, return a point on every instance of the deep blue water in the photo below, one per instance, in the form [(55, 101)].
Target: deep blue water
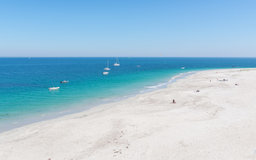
[(24, 82)]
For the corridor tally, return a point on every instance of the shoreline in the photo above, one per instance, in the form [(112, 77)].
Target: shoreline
[(218, 122), (79, 107)]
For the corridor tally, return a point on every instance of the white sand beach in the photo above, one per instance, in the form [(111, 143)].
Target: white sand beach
[(216, 123)]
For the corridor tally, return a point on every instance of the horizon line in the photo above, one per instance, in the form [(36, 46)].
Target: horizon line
[(120, 57)]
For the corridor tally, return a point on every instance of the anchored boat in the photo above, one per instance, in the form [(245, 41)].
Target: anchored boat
[(64, 81), (117, 64), (53, 88), (107, 68), (105, 73)]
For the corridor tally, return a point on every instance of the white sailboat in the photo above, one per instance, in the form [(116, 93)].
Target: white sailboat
[(116, 64), (105, 73), (107, 68)]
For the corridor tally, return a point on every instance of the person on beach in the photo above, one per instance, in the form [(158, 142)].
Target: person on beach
[(173, 101)]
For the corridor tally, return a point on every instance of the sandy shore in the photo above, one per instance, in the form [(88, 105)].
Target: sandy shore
[(216, 123)]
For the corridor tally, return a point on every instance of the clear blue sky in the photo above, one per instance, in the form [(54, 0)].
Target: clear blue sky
[(209, 28)]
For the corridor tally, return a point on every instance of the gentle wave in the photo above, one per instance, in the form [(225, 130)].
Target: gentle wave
[(157, 86), (172, 80)]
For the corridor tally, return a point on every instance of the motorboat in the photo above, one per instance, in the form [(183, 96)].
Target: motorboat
[(64, 81), (53, 88)]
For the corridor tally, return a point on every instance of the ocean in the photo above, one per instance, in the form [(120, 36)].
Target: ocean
[(24, 83)]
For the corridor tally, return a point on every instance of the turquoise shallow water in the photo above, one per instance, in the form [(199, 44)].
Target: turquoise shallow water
[(24, 82)]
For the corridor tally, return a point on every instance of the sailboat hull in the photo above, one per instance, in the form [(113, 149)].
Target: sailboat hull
[(105, 73), (107, 69)]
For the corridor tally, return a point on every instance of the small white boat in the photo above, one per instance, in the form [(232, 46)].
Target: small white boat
[(182, 67), (107, 68), (64, 81), (53, 88), (117, 64), (105, 73)]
